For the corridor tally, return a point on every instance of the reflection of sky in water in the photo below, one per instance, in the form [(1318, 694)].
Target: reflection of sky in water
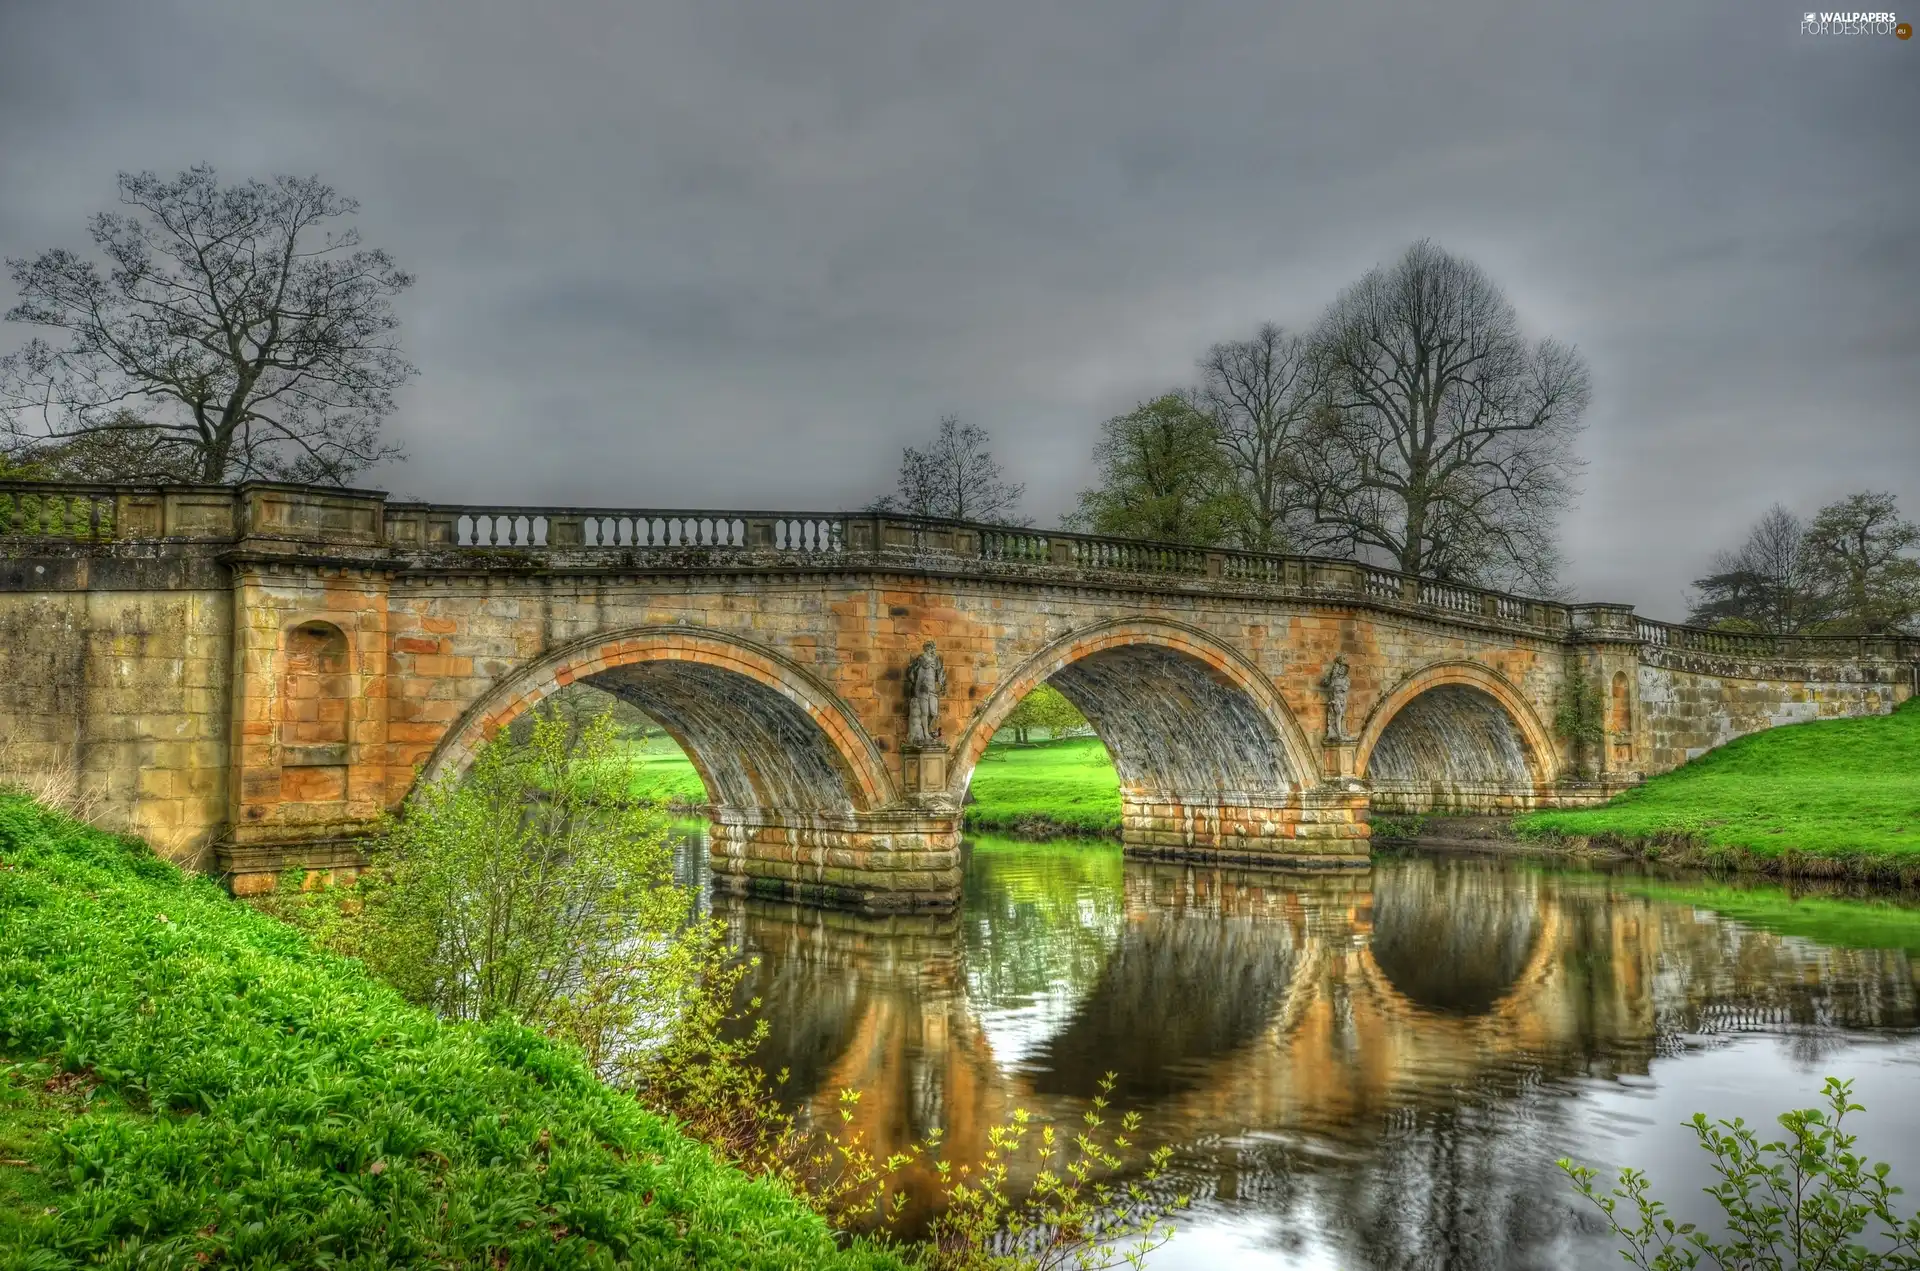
[(1639, 1121), (1375, 1072), (1016, 1033)]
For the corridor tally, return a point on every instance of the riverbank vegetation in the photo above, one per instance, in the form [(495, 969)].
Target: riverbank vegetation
[(191, 1082), (510, 1043), (1833, 796), (1833, 919), (1791, 1203)]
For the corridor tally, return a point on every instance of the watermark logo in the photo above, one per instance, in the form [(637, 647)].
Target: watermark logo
[(1855, 24)]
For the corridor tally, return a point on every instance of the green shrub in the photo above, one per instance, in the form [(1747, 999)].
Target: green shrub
[(529, 888), (1797, 1203), (1578, 718), (289, 1110)]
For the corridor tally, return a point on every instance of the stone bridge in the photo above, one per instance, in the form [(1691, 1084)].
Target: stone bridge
[(249, 676)]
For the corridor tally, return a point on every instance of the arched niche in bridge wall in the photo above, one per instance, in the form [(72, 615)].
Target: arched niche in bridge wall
[(1454, 729), (314, 704), (1620, 720), (1181, 713), (761, 731)]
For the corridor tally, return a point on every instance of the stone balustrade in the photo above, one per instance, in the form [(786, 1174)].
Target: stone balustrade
[(432, 534)]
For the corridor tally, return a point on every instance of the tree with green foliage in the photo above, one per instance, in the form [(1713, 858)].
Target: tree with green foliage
[(533, 888), (1045, 708), (1865, 549), (1163, 476), (1794, 1203)]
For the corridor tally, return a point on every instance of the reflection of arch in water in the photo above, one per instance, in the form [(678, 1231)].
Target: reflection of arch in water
[(1179, 991), (1451, 946), (1183, 715), (834, 978), (762, 732), (1512, 1016), (1454, 735)]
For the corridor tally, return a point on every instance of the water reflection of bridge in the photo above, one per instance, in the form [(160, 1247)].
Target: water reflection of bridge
[(1234, 1002)]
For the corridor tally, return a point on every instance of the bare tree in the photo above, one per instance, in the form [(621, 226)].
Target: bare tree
[(1447, 445), (1865, 550), (955, 477), (1263, 394), (1771, 583), (233, 334)]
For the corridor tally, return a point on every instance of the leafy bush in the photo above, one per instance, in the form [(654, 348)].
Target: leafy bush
[(528, 888), (1796, 1203), (293, 1112)]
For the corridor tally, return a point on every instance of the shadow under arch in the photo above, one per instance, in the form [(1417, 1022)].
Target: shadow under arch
[(761, 731), (1455, 732), (1180, 712)]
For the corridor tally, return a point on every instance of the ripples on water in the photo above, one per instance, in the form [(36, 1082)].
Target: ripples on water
[(1373, 1070)]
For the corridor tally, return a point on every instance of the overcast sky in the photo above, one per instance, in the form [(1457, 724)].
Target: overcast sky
[(713, 254)]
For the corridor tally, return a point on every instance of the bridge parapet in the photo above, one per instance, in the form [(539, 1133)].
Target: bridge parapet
[(453, 536), (456, 537)]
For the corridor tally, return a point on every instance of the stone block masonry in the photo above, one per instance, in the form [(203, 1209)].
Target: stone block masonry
[(250, 676)]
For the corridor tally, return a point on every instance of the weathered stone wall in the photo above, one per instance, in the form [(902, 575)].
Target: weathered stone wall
[(309, 763), (1690, 703), (119, 668)]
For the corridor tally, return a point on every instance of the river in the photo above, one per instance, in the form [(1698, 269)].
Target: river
[(1372, 1070)]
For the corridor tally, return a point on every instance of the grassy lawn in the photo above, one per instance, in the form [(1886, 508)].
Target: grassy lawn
[(1836, 789), (192, 1084), (1065, 787), (660, 771)]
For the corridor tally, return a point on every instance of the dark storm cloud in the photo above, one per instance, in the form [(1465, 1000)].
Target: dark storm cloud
[(723, 254)]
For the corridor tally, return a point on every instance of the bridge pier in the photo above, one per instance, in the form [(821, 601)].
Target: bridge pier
[(890, 861), (1321, 828)]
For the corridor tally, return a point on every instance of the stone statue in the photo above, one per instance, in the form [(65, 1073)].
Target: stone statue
[(926, 684), (1335, 682)]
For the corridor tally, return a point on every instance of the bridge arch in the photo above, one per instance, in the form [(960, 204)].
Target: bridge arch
[(761, 731), (1457, 730), (1181, 713)]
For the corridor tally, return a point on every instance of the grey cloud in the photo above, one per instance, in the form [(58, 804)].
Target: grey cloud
[(725, 253)]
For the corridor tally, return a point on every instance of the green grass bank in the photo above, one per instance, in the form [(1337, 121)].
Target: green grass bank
[(185, 1082), (661, 771), (1064, 788), (1832, 798)]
